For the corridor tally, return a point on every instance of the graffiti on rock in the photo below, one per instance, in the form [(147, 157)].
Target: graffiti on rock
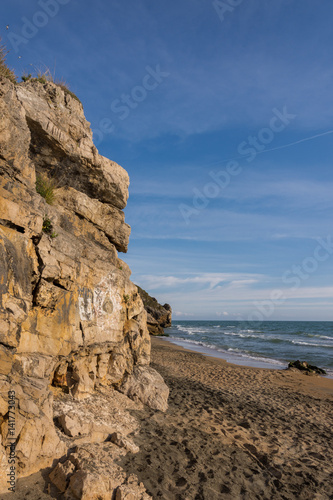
[(102, 305)]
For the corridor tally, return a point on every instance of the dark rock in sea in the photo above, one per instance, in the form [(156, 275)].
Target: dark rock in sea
[(305, 367), (158, 316)]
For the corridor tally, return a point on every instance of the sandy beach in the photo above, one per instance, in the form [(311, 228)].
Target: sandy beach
[(234, 432), (230, 432)]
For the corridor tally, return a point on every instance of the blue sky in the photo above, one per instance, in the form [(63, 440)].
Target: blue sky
[(221, 112)]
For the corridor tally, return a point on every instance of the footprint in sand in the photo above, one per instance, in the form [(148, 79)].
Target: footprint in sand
[(252, 449), (202, 477), (225, 489), (181, 482), (245, 424)]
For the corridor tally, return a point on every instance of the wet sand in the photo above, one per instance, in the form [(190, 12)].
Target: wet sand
[(233, 432)]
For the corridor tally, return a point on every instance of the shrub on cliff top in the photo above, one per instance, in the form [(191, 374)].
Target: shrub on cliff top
[(4, 70)]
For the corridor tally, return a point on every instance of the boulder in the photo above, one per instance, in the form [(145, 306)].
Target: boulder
[(147, 386), (123, 442), (61, 474), (91, 473), (103, 416), (304, 367)]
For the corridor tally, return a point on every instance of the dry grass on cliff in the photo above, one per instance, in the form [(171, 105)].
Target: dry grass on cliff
[(44, 76), (4, 70), (64, 86), (45, 187)]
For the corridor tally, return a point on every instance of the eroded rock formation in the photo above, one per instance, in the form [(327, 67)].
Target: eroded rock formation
[(71, 321), (158, 316)]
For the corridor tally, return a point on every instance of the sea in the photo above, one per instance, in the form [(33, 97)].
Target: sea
[(264, 344)]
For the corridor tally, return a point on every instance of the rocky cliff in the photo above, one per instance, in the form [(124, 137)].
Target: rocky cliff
[(158, 316), (73, 329)]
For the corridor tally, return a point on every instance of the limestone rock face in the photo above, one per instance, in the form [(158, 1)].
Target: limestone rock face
[(61, 142), (158, 316), (147, 386), (95, 419), (98, 430), (84, 477), (71, 321)]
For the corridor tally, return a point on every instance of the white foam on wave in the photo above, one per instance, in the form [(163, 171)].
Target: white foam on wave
[(329, 373), (313, 335), (233, 334), (297, 342), (252, 336), (244, 335), (231, 355), (194, 342), (235, 351), (191, 330), (237, 345), (261, 359)]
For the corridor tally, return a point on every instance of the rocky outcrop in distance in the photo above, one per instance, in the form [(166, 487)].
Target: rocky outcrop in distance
[(158, 316), (73, 328), (305, 367)]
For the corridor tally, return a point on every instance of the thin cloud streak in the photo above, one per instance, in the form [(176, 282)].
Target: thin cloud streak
[(284, 146), (210, 279)]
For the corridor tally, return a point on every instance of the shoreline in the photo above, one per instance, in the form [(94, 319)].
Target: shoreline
[(228, 357), (311, 381), (233, 358)]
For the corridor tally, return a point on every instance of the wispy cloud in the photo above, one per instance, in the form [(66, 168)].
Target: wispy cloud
[(211, 280), (233, 294), (241, 224), (272, 185)]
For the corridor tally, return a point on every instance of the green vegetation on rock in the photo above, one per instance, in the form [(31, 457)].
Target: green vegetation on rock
[(46, 76), (48, 227), (45, 187), (4, 70)]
